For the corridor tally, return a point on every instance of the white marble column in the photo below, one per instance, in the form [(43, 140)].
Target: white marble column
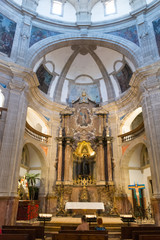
[(150, 100), (11, 150)]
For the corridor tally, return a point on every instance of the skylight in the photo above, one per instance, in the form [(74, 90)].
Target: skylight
[(57, 7), (110, 7)]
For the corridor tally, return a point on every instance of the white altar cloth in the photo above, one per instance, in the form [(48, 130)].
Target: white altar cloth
[(85, 205)]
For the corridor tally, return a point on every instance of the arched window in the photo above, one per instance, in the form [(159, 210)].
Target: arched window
[(109, 7), (57, 8)]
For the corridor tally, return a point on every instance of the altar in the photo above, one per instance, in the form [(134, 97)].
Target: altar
[(85, 207)]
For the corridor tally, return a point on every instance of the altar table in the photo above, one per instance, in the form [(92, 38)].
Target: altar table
[(90, 207)]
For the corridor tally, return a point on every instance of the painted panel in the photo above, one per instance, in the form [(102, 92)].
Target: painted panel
[(124, 77), (44, 79), (38, 34), (156, 26), (129, 33), (92, 91), (7, 32)]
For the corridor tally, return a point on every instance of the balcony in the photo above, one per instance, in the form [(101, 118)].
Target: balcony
[(39, 136), (132, 134)]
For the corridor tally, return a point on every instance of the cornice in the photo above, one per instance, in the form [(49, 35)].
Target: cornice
[(127, 19)]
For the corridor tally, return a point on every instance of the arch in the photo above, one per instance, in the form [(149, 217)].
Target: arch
[(44, 166), (39, 150), (125, 127), (124, 160), (125, 47)]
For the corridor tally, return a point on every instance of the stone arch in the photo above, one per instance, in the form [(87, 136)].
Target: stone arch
[(125, 158), (39, 149), (124, 161), (128, 119), (132, 173), (44, 165), (125, 47)]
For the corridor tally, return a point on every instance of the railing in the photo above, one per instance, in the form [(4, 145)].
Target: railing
[(132, 134), (84, 181), (36, 134)]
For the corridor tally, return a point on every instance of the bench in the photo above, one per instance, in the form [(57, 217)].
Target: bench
[(14, 237), (31, 232), (83, 232), (39, 230), (81, 236), (126, 232), (149, 237), (136, 234), (71, 227)]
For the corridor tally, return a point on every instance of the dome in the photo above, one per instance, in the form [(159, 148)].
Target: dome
[(67, 11), (103, 73)]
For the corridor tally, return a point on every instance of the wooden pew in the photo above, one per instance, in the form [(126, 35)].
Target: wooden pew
[(14, 237), (136, 234), (126, 232), (149, 237), (83, 232), (31, 232), (82, 236), (74, 232), (39, 230), (68, 227), (71, 227)]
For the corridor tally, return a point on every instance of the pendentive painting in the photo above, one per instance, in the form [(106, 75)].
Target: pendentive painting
[(129, 33), (38, 34), (7, 32), (156, 26), (124, 77)]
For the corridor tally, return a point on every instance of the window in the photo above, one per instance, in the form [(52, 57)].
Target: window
[(110, 7), (57, 7)]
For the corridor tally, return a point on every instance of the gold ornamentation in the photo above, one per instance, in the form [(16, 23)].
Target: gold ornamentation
[(84, 149)]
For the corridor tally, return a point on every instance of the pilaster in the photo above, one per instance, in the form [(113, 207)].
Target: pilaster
[(150, 100), (146, 40), (11, 149), (24, 39)]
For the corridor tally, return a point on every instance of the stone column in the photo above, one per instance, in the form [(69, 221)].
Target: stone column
[(146, 39), (68, 165), (100, 163), (109, 161), (11, 150), (150, 100), (59, 169)]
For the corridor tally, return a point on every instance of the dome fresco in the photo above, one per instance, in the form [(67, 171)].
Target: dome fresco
[(92, 70)]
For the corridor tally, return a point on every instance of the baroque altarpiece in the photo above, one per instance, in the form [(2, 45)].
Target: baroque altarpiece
[(85, 169)]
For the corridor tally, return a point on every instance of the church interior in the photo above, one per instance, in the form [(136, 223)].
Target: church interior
[(80, 109)]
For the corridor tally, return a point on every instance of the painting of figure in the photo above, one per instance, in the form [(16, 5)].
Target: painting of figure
[(7, 32), (75, 92), (38, 34), (129, 33), (156, 26)]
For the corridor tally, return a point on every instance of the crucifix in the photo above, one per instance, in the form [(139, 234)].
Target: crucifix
[(136, 188)]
